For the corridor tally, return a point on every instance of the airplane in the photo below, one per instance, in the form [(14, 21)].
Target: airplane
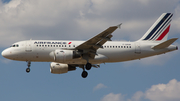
[(66, 55)]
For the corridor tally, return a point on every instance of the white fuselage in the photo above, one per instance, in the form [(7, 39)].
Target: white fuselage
[(67, 55), (113, 51)]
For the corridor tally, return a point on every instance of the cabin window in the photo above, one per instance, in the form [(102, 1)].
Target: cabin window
[(129, 46), (59, 45), (56, 45)]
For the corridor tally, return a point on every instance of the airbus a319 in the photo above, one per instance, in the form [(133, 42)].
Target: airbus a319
[(66, 55)]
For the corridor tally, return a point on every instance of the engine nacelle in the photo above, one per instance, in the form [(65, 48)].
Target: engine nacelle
[(64, 55), (58, 68)]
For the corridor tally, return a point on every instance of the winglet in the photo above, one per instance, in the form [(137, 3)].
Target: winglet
[(165, 44), (119, 26)]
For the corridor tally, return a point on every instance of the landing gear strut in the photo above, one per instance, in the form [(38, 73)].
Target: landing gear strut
[(28, 64)]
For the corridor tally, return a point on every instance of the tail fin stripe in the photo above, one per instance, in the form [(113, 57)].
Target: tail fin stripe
[(157, 26), (162, 27), (162, 30), (164, 33)]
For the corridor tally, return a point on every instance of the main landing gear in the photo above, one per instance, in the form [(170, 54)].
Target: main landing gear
[(88, 67), (84, 74), (28, 64)]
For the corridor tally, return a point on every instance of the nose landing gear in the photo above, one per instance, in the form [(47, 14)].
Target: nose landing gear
[(28, 64)]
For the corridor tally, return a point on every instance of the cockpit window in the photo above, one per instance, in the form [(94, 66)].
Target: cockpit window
[(14, 45)]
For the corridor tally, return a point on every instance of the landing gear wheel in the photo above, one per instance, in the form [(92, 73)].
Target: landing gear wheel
[(28, 64), (84, 74), (88, 66), (27, 70)]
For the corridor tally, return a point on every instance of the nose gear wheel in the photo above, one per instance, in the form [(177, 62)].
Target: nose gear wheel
[(27, 70), (28, 64)]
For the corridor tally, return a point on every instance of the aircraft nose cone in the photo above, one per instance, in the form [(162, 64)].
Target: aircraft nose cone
[(5, 53)]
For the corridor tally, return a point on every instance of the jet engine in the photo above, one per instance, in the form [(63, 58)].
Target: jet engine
[(58, 68), (64, 55)]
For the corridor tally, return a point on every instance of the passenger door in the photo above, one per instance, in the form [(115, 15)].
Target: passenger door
[(28, 46), (137, 48)]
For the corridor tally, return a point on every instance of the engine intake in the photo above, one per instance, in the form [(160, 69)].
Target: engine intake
[(58, 68)]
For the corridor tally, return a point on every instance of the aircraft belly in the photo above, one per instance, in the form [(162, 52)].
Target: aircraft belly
[(118, 55)]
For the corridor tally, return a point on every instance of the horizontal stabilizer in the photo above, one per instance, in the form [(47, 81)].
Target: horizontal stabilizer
[(165, 44)]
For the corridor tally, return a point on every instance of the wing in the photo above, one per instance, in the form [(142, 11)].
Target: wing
[(90, 47)]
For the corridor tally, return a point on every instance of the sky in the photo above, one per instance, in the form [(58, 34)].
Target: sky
[(155, 78)]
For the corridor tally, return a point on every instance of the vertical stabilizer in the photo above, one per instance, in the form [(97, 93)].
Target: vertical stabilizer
[(159, 30)]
